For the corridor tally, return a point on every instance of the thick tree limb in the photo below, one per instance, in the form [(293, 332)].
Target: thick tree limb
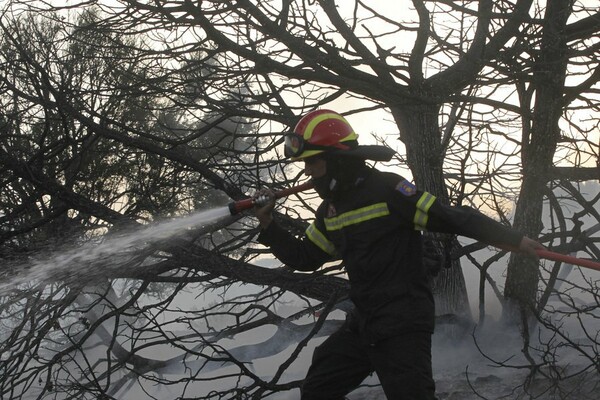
[(575, 174)]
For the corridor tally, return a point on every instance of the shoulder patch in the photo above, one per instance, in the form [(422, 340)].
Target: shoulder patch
[(406, 188)]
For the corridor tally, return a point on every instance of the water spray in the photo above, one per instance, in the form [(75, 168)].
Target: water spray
[(237, 207)]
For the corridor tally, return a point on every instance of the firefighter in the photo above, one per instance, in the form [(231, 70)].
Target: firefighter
[(371, 220)]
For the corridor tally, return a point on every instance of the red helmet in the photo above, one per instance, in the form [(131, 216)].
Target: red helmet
[(317, 132)]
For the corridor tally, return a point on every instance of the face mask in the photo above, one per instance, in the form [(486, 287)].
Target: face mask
[(342, 174), (323, 186)]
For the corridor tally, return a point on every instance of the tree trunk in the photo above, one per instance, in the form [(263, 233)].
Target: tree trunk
[(539, 146)]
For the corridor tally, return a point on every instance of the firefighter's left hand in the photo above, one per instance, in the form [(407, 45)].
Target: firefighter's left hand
[(529, 246), (263, 206)]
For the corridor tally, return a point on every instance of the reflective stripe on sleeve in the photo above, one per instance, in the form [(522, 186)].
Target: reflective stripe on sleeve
[(357, 216), (315, 236), (421, 216)]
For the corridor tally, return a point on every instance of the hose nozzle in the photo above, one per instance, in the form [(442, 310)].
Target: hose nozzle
[(237, 207)]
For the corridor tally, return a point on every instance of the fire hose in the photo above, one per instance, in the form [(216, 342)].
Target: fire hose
[(582, 262), (238, 206), (554, 256)]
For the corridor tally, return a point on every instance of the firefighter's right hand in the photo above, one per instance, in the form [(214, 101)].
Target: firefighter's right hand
[(264, 203), (529, 247)]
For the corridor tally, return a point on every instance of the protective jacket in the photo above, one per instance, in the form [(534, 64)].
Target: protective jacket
[(375, 228)]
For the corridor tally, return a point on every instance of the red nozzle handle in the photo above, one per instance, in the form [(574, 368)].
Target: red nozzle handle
[(238, 206), (294, 189)]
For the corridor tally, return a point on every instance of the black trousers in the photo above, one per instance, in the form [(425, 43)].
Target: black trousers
[(343, 361)]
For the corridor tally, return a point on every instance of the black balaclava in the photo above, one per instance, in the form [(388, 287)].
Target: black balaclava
[(342, 174)]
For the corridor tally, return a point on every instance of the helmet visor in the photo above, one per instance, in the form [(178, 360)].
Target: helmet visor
[(293, 145)]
